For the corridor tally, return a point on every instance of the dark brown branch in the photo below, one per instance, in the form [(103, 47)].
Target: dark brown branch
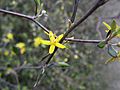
[(90, 11), (26, 17)]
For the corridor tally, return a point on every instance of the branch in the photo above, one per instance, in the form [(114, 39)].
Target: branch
[(76, 2), (83, 41), (31, 18), (90, 11)]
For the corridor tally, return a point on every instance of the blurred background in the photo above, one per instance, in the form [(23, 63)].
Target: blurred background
[(87, 70)]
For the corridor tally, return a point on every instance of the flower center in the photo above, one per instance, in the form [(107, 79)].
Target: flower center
[(53, 42)]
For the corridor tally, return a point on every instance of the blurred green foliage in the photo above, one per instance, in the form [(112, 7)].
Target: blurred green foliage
[(84, 72)]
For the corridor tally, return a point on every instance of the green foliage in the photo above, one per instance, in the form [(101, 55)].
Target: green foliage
[(112, 51), (113, 25), (102, 44)]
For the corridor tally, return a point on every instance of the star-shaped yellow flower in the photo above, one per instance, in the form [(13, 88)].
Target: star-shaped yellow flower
[(21, 46), (54, 42), (10, 36)]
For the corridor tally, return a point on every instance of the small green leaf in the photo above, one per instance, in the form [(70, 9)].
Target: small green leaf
[(110, 60), (63, 64), (111, 51), (16, 50), (117, 32), (113, 25), (102, 44)]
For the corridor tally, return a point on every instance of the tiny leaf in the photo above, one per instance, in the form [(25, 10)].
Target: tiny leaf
[(16, 50), (102, 44), (63, 64), (110, 60), (117, 32), (111, 51), (113, 25)]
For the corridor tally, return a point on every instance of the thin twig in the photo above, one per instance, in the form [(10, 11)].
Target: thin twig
[(83, 41), (31, 18), (76, 2)]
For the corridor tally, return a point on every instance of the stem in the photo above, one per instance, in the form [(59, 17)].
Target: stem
[(76, 2), (83, 41)]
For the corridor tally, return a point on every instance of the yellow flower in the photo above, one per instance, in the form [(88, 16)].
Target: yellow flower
[(6, 52), (6, 40), (54, 42), (10, 36), (21, 46)]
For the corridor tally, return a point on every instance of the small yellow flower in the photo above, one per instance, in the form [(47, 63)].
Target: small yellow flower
[(10, 36), (21, 46), (6, 52), (54, 42), (6, 40)]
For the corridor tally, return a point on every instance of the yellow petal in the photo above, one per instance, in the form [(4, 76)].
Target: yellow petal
[(107, 31), (110, 60), (10, 36), (46, 32), (37, 41), (20, 45), (51, 36), (6, 40), (22, 50), (108, 26), (52, 48), (45, 42), (59, 37), (60, 45)]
